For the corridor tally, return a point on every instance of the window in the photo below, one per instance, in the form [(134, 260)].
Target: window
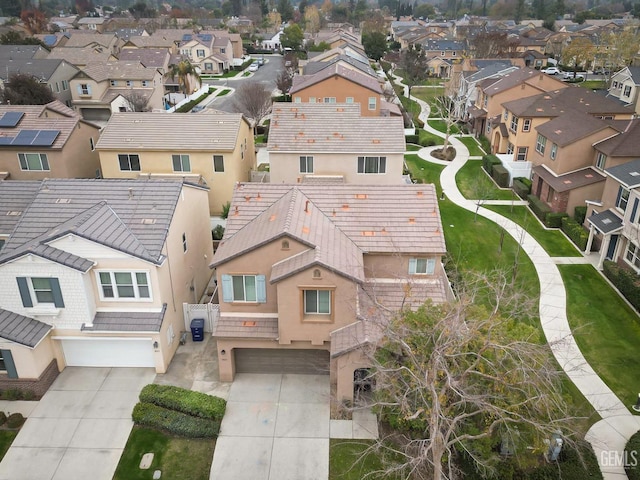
[(244, 288), (514, 123), (442, 54), (550, 195), (2, 242), (522, 154), (306, 164), (349, 100), (554, 151), (57, 87), (129, 162), (33, 161), (181, 163), (38, 291), (84, 89), (317, 302), (505, 115), (65, 85), (422, 266), (7, 364), (329, 99), (312, 99), (297, 100), (218, 163), (601, 159), (118, 285), (627, 91), (208, 66), (200, 53), (129, 83), (623, 198), (486, 100), (372, 103), (509, 148), (632, 255), (541, 144), (145, 83), (113, 83), (223, 50), (526, 125), (184, 242), (93, 146), (372, 164)]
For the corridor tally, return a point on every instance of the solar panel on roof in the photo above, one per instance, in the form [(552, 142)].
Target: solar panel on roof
[(46, 138), (186, 37), (11, 119), (6, 140), (25, 137), (205, 37)]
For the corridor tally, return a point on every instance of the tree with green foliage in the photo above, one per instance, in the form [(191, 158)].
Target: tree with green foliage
[(285, 9), (24, 89), (413, 62), (375, 44), (14, 38), (142, 10), (578, 53), (185, 72), (424, 10), (292, 37)]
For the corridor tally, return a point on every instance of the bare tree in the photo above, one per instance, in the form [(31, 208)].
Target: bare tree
[(284, 80), (136, 101), (494, 45), (446, 108), (460, 378), (253, 100)]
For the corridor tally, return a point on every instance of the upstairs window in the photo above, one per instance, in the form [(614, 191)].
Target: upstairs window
[(306, 164), (526, 125), (33, 161), (124, 285), (39, 291), (514, 123), (422, 266), (317, 302), (601, 159), (84, 89), (554, 151), (372, 103), (541, 144), (244, 288), (218, 163), (129, 162), (623, 198), (181, 163), (372, 164)]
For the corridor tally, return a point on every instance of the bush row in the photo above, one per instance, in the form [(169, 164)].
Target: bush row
[(629, 285), (186, 401), (539, 208), (633, 471), (575, 232), (189, 105), (239, 68), (415, 139), (554, 220), (174, 422), (488, 161), (580, 213), (500, 175), (522, 187)]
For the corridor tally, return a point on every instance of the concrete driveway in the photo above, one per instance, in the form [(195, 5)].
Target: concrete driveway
[(79, 428)]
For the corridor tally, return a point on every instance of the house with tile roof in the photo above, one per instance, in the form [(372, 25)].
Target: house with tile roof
[(214, 148), (334, 143), (81, 57), (95, 272), (101, 89), (625, 86), (304, 271), (46, 141), (212, 54)]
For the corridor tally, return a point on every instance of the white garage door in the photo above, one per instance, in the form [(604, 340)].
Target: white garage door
[(112, 352)]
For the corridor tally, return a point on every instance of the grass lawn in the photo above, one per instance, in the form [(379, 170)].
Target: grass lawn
[(259, 139), (6, 439), (474, 183), (472, 145), (229, 74), (223, 92), (425, 136), (606, 329), (423, 171), (594, 84), (427, 94), (349, 461), (412, 148), (553, 241), (441, 126), (178, 458)]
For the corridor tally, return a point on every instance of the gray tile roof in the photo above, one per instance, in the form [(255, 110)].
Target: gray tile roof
[(127, 321), (80, 39), (20, 329), (569, 181), (149, 57), (42, 68), (132, 216), (339, 128), (215, 131), (124, 70), (312, 68), (15, 197), (19, 51), (492, 86), (246, 327), (606, 222), (81, 56), (626, 144), (565, 130), (303, 81), (627, 173)]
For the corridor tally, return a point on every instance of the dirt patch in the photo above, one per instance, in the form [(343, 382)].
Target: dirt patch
[(442, 154)]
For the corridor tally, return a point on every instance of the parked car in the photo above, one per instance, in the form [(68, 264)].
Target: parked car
[(260, 61), (197, 108), (254, 67), (551, 71), (569, 76)]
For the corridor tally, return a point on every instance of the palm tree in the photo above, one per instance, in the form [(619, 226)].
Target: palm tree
[(184, 71)]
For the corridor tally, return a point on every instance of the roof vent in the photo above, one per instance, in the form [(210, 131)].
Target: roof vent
[(248, 323), (272, 218), (63, 200), (305, 229), (14, 213), (634, 174), (588, 175), (148, 221), (368, 233), (361, 196), (412, 220), (376, 140)]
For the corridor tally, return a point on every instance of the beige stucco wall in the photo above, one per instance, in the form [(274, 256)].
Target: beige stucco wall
[(30, 362), (340, 88), (342, 369), (285, 167), (578, 196)]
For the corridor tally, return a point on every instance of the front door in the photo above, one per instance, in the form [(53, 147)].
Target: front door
[(612, 247)]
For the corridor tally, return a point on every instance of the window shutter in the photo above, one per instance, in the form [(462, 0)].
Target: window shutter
[(634, 210), (619, 195), (57, 293), (360, 164), (24, 292), (79, 89), (303, 165), (89, 89), (413, 265), (431, 266), (383, 164), (261, 289), (9, 364), (227, 288)]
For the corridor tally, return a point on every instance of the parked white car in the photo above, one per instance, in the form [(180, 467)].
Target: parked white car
[(254, 67), (551, 71)]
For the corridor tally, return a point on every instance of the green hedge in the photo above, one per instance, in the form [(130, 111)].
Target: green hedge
[(626, 281), (521, 188), (580, 213), (412, 139), (182, 400), (485, 143), (539, 208), (488, 161), (575, 232), (554, 220), (174, 422), (239, 68), (633, 471), (500, 175), (189, 105)]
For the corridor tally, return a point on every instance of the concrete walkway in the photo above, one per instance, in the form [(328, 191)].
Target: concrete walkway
[(609, 436)]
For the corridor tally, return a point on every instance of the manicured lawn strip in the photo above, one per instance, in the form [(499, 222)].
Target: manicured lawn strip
[(224, 92), (472, 145), (606, 329), (425, 136), (427, 94), (348, 460), (594, 84), (474, 183), (229, 74), (6, 439), (413, 148), (553, 241), (423, 171), (441, 126), (177, 458)]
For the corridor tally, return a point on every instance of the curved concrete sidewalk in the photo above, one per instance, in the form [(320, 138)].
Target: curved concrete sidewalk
[(608, 437)]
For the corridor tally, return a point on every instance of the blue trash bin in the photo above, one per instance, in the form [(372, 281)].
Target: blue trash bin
[(197, 329)]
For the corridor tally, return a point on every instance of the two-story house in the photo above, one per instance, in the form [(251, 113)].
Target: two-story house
[(46, 141), (104, 88), (215, 147), (619, 149), (304, 271), (209, 53), (625, 86), (95, 273), (320, 142)]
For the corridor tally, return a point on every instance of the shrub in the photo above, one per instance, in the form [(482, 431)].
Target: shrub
[(500, 175), (3, 418), (554, 220), (183, 400), (217, 233), (538, 207), (412, 139), (174, 422), (521, 188), (488, 161), (633, 472), (484, 143), (189, 105), (627, 282), (15, 420), (580, 213), (575, 232)]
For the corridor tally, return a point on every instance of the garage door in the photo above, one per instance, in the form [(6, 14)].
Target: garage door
[(263, 360), (116, 352)]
